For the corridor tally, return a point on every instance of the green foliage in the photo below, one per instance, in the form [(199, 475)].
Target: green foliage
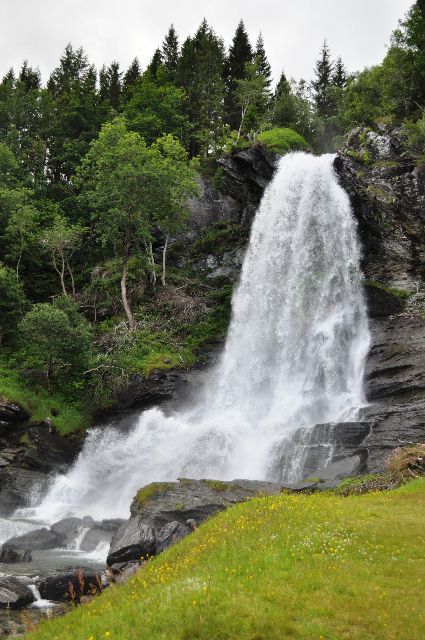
[(12, 303), (283, 140), (56, 339), (291, 566), (67, 416), (216, 485), (219, 237)]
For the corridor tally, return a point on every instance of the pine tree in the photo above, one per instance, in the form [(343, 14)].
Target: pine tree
[(131, 76), (200, 74), (110, 84), (339, 78), (262, 62), (155, 64), (72, 69), (282, 86), (323, 71), (170, 53), (29, 77), (240, 54)]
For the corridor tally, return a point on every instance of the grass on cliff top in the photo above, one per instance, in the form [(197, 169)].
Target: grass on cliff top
[(283, 140), (318, 567), (40, 403)]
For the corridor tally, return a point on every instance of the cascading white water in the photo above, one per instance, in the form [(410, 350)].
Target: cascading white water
[(294, 357)]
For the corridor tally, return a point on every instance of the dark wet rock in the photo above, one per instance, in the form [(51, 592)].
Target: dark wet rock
[(10, 556), (17, 485), (48, 452), (245, 175), (345, 468), (170, 534), (134, 540), (38, 539), (121, 571), (14, 594), (11, 413), (70, 586), (165, 512), (69, 528)]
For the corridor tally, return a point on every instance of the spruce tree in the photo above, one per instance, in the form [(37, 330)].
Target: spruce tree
[(262, 62), (240, 54), (131, 76), (155, 64), (323, 71), (170, 53), (339, 78), (29, 77)]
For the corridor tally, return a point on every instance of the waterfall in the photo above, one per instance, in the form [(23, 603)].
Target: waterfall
[(293, 358)]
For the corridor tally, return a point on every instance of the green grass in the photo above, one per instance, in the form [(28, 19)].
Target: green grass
[(145, 494), (318, 567), (283, 140), (40, 403)]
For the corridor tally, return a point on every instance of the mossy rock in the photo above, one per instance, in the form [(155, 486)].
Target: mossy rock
[(145, 494), (282, 140)]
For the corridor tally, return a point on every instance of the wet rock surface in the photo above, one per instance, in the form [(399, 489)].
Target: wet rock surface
[(14, 594), (70, 586)]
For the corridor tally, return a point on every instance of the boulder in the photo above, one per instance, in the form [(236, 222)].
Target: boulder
[(10, 556), (14, 594), (70, 586), (11, 413), (100, 532), (69, 528), (35, 540), (133, 540), (163, 513)]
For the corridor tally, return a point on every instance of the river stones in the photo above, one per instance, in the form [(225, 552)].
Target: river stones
[(39, 539), (14, 594), (70, 586)]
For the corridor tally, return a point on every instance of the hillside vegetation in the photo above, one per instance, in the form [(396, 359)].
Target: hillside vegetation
[(311, 567)]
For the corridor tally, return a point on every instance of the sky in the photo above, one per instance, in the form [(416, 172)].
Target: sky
[(293, 30)]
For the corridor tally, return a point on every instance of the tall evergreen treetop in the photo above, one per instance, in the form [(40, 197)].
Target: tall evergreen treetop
[(73, 68), (131, 76), (240, 54), (29, 77), (154, 65), (110, 84), (262, 62), (323, 71), (170, 52), (339, 77)]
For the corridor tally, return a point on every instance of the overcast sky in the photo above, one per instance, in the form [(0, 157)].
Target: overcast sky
[(293, 30)]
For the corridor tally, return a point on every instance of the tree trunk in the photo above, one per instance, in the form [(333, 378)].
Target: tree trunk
[(18, 264), (61, 273), (124, 273), (152, 262), (244, 110), (71, 275), (164, 253)]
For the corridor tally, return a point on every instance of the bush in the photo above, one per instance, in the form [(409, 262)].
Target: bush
[(408, 460), (283, 140)]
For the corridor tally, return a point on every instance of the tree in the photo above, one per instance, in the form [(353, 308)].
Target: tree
[(170, 53), (199, 73), (21, 226), (339, 77), (130, 78), (240, 53), (57, 339), (284, 104), (61, 240), (155, 109), (323, 71), (121, 183), (180, 182), (263, 65), (30, 78), (250, 94), (110, 85), (12, 302), (155, 64)]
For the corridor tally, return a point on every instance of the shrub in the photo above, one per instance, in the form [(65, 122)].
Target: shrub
[(408, 460)]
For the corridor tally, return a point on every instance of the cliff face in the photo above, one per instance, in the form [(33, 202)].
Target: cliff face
[(387, 194)]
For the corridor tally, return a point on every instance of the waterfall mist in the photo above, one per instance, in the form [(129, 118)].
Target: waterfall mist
[(294, 357)]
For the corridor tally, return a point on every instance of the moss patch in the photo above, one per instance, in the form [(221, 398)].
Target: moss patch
[(216, 485), (282, 140), (145, 494), (402, 294)]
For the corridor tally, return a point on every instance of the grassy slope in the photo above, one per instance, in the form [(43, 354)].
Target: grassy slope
[(39, 402), (293, 566)]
